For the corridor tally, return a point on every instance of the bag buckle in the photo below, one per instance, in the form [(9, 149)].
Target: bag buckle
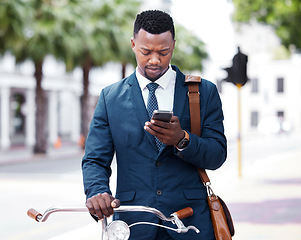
[(209, 189)]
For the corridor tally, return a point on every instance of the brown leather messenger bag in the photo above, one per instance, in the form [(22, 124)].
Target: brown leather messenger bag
[(220, 215)]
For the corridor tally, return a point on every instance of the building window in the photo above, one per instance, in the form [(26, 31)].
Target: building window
[(254, 85), (280, 114), (280, 85), (254, 119), (18, 120)]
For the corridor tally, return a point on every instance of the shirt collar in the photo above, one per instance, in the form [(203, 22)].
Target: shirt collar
[(163, 81)]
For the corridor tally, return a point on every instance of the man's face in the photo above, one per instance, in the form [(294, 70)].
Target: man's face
[(153, 53)]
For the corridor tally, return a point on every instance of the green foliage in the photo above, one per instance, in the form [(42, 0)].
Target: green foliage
[(283, 15), (13, 16), (189, 50), (96, 34), (77, 31), (71, 30)]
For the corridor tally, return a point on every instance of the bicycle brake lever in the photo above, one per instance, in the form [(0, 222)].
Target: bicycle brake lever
[(186, 229), (181, 226)]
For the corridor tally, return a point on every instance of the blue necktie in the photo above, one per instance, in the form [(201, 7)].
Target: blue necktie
[(152, 105)]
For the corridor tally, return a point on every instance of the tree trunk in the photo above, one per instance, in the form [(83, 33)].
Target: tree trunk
[(123, 70), (41, 138), (85, 102)]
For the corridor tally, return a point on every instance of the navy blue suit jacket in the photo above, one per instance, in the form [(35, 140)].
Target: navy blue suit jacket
[(167, 180)]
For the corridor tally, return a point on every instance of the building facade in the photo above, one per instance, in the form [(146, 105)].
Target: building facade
[(270, 100), (63, 92)]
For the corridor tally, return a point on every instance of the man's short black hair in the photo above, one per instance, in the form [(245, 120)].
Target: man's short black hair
[(154, 22)]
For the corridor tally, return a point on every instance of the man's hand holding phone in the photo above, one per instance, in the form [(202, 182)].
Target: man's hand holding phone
[(165, 127)]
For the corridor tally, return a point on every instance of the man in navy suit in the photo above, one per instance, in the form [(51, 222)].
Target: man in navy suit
[(164, 177)]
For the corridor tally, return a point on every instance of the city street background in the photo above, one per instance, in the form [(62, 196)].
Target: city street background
[(265, 203)]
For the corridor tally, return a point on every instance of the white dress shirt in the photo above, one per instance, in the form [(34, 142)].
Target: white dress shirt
[(164, 93)]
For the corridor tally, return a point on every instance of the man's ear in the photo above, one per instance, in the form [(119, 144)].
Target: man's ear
[(174, 43), (133, 44)]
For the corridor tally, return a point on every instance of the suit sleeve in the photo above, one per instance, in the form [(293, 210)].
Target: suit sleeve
[(210, 150), (99, 151)]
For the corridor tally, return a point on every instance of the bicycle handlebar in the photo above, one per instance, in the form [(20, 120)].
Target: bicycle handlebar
[(34, 214), (181, 214), (174, 217), (43, 217), (184, 213)]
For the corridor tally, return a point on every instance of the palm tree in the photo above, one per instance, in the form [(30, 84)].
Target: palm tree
[(27, 39), (37, 45), (97, 39), (123, 32), (31, 33), (13, 15)]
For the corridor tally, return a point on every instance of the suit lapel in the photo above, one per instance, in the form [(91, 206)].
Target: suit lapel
[(139, 106)]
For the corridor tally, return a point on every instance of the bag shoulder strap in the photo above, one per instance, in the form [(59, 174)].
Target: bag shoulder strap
[(195, 113), (194, 103)]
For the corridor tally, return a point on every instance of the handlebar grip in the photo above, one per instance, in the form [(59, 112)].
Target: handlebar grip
[(184, 213), (34, 214)]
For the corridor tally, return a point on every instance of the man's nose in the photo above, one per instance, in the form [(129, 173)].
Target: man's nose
[(154, 59)]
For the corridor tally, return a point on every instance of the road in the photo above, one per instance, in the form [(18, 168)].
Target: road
[(42, 183)]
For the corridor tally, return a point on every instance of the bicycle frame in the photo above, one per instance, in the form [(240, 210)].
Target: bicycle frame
[(175, 217)]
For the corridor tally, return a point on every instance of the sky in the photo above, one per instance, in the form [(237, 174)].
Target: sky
[(211, 21)]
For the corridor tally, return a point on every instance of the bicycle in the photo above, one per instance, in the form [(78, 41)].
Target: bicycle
[(117, 229)]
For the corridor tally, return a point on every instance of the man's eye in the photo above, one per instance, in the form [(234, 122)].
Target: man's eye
[(145, 53), (163, 53)]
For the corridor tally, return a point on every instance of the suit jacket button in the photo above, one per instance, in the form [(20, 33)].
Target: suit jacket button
[(159, 192), (158, 163)]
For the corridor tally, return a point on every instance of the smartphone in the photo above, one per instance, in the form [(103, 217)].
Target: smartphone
[(162, 115)]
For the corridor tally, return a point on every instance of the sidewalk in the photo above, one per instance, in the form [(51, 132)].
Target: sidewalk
[(17, 155), (266, 202)]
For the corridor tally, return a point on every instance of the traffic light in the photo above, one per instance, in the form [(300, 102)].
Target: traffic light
[(237, 74)]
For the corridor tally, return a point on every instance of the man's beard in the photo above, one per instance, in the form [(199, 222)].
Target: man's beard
[(153, 79)]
